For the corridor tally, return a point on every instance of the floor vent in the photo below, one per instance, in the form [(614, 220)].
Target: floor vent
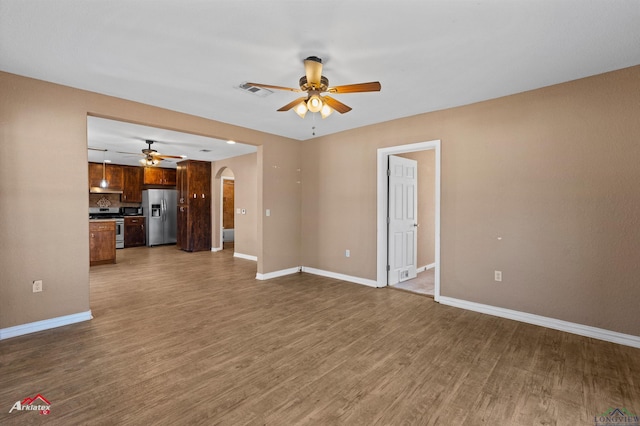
[(259, 91)]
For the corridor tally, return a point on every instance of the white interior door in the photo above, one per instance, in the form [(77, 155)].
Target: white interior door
[(402, 219)]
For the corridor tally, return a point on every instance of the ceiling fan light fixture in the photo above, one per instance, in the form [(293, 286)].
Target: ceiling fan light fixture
[(301, 109), (326, 111), (150, 161), (314, 84), (314, 103)]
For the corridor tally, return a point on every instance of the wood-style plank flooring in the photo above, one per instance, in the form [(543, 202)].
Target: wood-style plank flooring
[(192, 338)]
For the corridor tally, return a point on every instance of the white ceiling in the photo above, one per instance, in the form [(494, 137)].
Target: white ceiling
[(124, 143), (190, 55)]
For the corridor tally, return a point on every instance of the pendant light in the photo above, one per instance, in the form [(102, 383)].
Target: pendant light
[(103, 182)]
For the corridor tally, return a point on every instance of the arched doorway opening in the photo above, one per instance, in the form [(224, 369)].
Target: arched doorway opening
[(227, 208)]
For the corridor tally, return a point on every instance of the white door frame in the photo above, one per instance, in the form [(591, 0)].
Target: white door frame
[(222, 179), (382, 245)]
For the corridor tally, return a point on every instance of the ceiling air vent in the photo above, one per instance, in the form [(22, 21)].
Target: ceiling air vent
[(259, 91)]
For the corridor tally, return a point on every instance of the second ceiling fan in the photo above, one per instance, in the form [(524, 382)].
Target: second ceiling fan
[(315, 84), (151, 156)]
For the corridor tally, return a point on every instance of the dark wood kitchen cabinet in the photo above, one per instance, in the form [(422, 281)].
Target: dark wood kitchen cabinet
[(112, 172), (194, 205), (134, 232), (132, 190), (159, 176), (102, 242), (170, 176)]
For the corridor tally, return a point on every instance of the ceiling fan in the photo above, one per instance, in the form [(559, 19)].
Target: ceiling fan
[(314, 83), (151, 156)]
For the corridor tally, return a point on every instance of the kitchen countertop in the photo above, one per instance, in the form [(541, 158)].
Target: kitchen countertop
[(102, 220)]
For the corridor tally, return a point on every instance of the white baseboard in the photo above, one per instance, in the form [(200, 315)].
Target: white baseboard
[(349, 278), (245, 256), (32, 327), (569, 327), (314, 271), (276, 274), (426, 267), (214, 249)]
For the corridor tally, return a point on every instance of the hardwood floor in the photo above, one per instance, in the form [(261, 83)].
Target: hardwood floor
[(193, 338)]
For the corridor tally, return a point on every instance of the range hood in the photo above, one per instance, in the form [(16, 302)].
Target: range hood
[(100, 190)]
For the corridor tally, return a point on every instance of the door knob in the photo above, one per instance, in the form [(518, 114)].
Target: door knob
[(416, 225)]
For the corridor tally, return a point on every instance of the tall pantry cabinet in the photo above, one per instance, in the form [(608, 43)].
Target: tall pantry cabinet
[(193, 181)]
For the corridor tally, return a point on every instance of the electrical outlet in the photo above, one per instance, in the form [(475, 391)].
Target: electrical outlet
[(347, 253), (37, 286), (497, 275)]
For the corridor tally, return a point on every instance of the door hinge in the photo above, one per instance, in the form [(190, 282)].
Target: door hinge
[(388, 268), (388, 172), (388, 220)]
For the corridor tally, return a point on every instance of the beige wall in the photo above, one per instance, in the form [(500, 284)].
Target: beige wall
[(43, 194), (244, 171), (426, 204), (553, 172), (279, 241)]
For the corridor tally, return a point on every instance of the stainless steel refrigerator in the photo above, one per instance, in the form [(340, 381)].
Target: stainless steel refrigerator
[(160, 208)]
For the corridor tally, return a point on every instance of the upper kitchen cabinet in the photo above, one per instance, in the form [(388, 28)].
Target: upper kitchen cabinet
[(132, 191), (170, 177), (159, 176), (112, 173)]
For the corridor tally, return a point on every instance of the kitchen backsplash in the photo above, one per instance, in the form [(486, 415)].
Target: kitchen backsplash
[(108, 200)]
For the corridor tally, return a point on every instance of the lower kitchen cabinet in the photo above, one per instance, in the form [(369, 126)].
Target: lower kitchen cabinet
[(102, 242), (134, 232)]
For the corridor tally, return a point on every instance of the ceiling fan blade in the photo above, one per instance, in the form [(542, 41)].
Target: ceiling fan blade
[(373, 86), (162, 156), (130, 153), (335, 104), (291, 104), (98, 149), (313, 70), (269, 86)]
